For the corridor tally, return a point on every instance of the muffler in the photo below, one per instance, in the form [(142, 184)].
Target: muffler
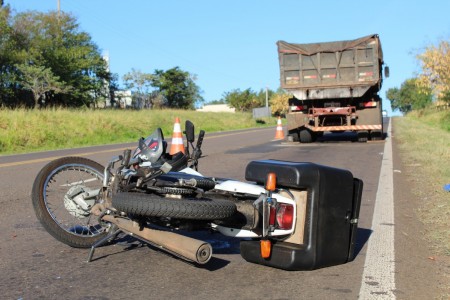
[(186, 247)]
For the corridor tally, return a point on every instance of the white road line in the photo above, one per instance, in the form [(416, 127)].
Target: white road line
[(378, 280)]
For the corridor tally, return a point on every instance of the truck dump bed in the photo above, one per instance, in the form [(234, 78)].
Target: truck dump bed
[(331, 70)]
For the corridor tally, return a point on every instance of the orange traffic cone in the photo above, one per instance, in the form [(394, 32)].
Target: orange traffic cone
[(177, 139), (279, 135)]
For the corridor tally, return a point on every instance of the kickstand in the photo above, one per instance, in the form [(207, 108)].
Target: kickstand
[(112, 234)]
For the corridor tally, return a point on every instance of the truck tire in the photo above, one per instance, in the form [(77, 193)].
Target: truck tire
[(306, 136), (151, 205), (376, 135), (362, 136), (293, 136)]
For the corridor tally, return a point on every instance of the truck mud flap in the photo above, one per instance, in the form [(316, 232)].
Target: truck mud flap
[(332, 211)]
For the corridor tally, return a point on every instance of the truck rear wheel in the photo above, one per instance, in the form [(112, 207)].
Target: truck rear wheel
[(376, 135), (293, 136), (306, 136), (362, 136)]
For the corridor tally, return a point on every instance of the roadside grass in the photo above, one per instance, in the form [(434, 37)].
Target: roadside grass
[(425, 147), (23, 130), (440, 119)]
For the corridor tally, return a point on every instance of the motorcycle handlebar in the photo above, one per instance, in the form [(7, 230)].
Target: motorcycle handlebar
[(197, 151), (200, 139)]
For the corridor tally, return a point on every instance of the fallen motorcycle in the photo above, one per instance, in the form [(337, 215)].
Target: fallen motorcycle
[(289, 215)]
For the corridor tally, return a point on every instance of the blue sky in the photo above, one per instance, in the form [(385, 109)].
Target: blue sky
[(231, 44)]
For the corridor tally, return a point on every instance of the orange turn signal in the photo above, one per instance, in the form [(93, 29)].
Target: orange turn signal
[(271, 182), (266, 247)]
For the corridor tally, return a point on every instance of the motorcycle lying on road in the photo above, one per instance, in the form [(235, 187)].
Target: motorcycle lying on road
[(288, 215)]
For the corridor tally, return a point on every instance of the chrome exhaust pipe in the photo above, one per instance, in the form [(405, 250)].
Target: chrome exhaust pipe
[(180, 245)]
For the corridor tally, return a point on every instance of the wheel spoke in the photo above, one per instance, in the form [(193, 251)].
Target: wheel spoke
[(65, 212), (79, 182)]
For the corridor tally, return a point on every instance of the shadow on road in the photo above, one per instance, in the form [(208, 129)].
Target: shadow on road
[(221, 245), (362, 237)]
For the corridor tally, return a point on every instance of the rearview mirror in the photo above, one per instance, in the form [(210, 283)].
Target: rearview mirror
[(190, 132)]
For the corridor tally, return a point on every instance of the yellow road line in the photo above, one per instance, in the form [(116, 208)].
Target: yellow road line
[(32, 161)]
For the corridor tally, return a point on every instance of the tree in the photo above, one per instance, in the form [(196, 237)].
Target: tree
[(279, 103), (40, 80), (221, 101), (158, 100), (435, 75), (241, 100), (409, 96), (54, 42), (9, 56), (141, 84), (261, 97), (113, 88), (247, 99), (177, 87)]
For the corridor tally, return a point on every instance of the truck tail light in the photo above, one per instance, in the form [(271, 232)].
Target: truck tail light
[(369, 104), (297, 108), (285, 216)]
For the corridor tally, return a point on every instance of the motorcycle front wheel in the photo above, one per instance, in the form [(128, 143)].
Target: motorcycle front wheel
[(59, 203)]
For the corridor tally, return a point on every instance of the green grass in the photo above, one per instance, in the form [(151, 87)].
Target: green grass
[(24, 130), (424, 138), (425, 144), (440, 119)]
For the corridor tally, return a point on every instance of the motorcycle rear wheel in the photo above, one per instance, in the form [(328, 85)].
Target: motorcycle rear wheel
[(55, 208), (152, 205)]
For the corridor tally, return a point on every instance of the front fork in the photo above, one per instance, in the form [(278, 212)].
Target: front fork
[(104, 194)]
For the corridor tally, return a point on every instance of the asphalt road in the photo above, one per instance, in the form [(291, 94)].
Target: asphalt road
[(35, 266)]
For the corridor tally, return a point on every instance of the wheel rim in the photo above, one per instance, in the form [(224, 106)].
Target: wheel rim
[(55, 191)]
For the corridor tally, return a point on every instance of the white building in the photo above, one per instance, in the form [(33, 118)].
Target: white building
[(217, 108), (123, 99)]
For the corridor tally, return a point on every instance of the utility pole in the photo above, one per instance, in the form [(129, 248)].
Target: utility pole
[(267, 96), (59, 7)]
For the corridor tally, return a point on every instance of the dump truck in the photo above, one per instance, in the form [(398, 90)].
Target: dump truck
[(334, 88)]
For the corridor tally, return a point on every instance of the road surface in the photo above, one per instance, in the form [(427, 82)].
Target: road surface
[(36, 266)]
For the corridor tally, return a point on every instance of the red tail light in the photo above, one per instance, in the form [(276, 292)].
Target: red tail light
[(297, 108), (369, 104), (285, 216)]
